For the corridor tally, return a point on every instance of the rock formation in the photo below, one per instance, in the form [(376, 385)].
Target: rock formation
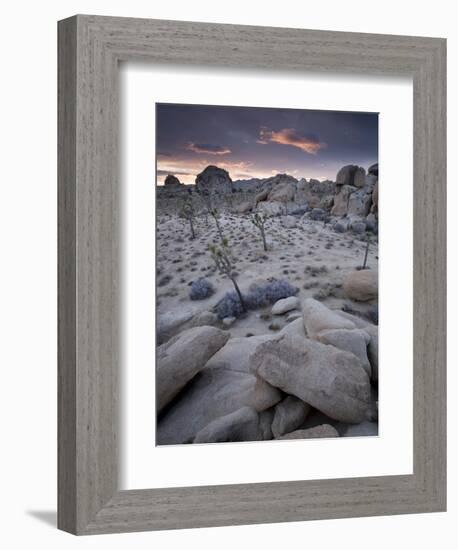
[(214, 180)]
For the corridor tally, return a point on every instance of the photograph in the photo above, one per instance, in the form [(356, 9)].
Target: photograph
[(266, 274)]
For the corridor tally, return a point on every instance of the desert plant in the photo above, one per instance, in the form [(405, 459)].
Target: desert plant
[(201, 289), (215, 215), (188, 213), (261, 296), (366, 253), (259, 220), (270, 293), (229, 306), (221, 257)]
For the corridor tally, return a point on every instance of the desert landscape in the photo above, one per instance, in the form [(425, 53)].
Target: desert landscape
[(267, 307)]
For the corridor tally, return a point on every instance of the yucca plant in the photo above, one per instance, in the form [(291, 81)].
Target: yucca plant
[(188, 213), (259, 220), (222, 257)]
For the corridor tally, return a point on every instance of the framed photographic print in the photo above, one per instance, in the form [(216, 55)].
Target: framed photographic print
[(244, 213)]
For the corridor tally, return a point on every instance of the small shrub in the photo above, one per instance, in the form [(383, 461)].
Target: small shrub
[(201, 289), (270, 293), (229, 306), (261, 296)]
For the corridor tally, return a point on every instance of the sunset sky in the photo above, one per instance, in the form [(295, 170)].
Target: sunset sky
[(253, 142)]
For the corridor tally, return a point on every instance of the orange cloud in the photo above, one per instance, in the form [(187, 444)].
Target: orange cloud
[(290, 136)]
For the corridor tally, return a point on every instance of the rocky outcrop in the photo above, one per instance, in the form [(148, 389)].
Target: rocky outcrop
[(340, 207), (331, 380), (182, 357), (359, 177), (346, 175), (317, 194), (356, 192), (214, 180), (172, 181), (359, 202)]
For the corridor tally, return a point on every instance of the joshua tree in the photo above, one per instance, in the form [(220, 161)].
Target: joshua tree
[(259, 220), (188, 213), (215, 215), (221, 257), (366, 252)]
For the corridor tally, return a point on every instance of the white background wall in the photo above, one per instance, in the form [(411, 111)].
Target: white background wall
[(28, 270)]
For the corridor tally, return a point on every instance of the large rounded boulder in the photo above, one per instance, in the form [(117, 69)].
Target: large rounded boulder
[(214, 180)]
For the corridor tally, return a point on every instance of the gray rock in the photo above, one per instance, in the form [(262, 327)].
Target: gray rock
[(293, 316), (358, 227), (235, 355), (228, 321), (182, 357), (331, 380), (261, 196), (204, 318), (213, 180), (341, 226), (371, 222), (373, 169), (244, 207), (214, 392), (241, 425), (372, 348), (282, 192), (359, 177), (340, 207), (317, 214), (362, 285), (359, 203), (265, 424), (284, 305), (324, 430), (271, 208), (345, 176), (355, 341), (169, 323), (289, 415), (289, 222), (172, 181), (317, 318), (374, 207), (294, 328)]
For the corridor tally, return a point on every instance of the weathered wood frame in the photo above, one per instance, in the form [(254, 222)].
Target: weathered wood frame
[(90, 48)]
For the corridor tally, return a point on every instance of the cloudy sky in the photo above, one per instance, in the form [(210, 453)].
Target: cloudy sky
[(260, 142)]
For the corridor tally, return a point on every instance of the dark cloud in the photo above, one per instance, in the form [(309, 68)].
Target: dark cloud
[(173, 172), (306, 143), (208, 148)]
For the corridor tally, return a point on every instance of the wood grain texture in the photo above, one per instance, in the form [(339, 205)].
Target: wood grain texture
[(90, 48)]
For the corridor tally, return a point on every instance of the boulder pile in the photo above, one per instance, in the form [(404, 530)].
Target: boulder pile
[(214, 388)]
